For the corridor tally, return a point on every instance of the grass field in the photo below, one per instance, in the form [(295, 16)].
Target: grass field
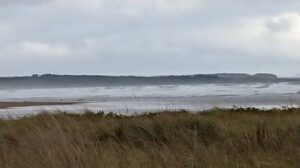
[(235, 138)]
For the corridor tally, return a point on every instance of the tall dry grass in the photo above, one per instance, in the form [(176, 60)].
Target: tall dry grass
[(236, 138)]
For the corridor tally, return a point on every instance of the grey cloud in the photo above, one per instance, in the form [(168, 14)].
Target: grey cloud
[(113, 37), (283, 23), (23, 2)]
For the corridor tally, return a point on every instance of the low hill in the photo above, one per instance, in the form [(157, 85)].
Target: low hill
[(57, 81)]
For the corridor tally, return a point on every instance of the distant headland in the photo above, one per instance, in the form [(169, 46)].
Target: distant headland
[(62, 81)]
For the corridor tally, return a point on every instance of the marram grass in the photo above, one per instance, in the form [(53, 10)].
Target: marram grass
[(236, 138)]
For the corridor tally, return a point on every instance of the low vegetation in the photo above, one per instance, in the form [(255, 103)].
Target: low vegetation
[(235, 138)]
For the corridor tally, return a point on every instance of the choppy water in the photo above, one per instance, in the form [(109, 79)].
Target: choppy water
[(136, 99)]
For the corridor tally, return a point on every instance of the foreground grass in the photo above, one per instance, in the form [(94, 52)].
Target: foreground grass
[(238, 138)]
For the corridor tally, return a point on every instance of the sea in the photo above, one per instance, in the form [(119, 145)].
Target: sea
[(128, 100)]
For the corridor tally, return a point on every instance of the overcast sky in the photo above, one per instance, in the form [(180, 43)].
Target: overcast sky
[(149, 37)]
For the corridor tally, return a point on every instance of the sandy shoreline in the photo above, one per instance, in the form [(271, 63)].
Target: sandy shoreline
[(6, 105)]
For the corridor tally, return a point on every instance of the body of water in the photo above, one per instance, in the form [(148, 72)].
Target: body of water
[(138, 99)]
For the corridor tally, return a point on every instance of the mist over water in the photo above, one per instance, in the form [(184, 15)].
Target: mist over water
[(137, 99)]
